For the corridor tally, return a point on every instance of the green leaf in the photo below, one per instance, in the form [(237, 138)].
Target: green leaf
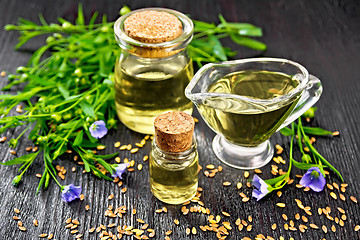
[(107, 156), (304, 166), (286, 131), (79, 138), (248, 42), (105, 165), (88, 109), (22, 159), (80, 19), (217, 47), (273, 181), (64, 92)]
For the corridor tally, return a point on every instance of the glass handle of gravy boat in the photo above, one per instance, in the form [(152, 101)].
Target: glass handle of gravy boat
[(309, 97)]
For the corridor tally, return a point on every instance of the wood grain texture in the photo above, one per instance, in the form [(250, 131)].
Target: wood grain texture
[(321, 35)]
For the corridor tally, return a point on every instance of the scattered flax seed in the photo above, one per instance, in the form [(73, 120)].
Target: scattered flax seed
[(16, 210), (133, 212), (258, 171), (319, 211), (3, 73), (128, 147), (188, 231), (68, 221), (299, 186), (314, 226), (279, 149), (324, 228), (342, 197), (210, 166), (273, 227), (246, 174), (226, 184), (341, 210), (336, 185), (357, 228), (111, 196), (82, 197), (352, 198), (304, 219), (123, 147), (249, 228), (87, 207), (297, 216), (333, 228), (329, 186), (333, 195), (344, 185), (284, 217), (22, 229), (117, 160), (336, 133), (123, 190), (341, 222), (51, 236), (176, 222), (16, 218), (117, 144), (43, 235), (248, 184), (306, 149), (225, 214), (134, 150), (168, 232), (75, 222), (35, 149), (240, 227), (35, 222), (19, 223), (306, 189), (282, 205), (13, 152), (139, 167), (195, 119), (100, 147), (145, 158), (245, 199), (238, 185), (28, 149)]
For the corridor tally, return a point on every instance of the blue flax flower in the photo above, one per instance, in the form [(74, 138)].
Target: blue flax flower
[(120, 170), (313, 179), (70, 192), (261, 188), (98, 129)]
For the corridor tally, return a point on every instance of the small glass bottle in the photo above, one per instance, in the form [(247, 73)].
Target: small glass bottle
[(153, 68), (174, 162)]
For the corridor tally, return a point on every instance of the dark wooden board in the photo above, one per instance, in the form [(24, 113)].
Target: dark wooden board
[(321, 35)]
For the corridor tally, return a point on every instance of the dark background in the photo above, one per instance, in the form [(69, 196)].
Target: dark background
[(323, 36)]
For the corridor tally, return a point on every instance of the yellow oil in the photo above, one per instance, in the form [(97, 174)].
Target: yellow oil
[(174, 182), (146, 90)]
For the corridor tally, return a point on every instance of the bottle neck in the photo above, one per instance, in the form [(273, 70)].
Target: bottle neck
[(186, 155)]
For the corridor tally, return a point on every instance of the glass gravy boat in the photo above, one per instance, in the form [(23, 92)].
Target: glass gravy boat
[(244, 123)]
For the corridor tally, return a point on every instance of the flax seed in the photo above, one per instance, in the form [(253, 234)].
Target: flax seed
[(284, 217), (35, 149), (273, 227), (357, 228), (28, 149), (220, 168), (333, 195), (258, 171), (279, 149), (226, 184), (246, 174), (314, 226), (22, 229), (43, 235), (134, 150), (117, 144), (3, 73), (304, 219), (342, 197), (100, 147), (249, 228), (13, 152), (324, 228), (210, 167), (352, 198), (240, 227), (297, 216), (282, 205), (336, 133)]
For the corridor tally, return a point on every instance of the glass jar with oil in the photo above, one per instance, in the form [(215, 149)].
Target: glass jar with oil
[(153, 69), (174, 162)]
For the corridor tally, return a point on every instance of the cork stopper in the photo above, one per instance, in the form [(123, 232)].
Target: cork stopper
[(174, 131), (153, 26)]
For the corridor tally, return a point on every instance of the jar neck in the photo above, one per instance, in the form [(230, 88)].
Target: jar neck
[(179, 156), (154, 50)]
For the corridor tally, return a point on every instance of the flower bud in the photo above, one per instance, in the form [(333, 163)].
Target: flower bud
[(16, 180)]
